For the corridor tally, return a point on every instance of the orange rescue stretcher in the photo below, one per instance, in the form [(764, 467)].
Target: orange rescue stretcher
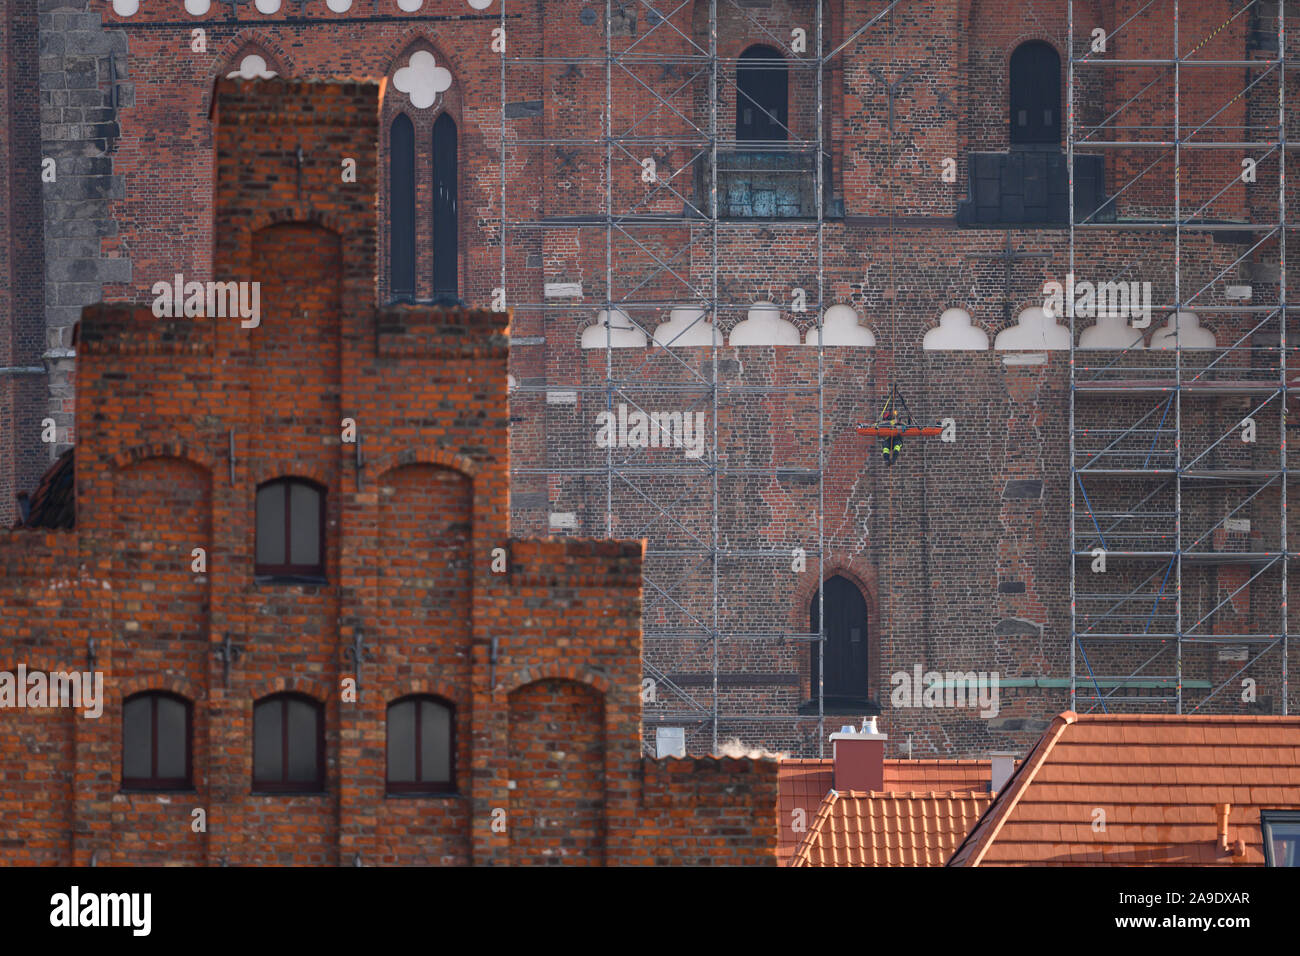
[(896, 431)]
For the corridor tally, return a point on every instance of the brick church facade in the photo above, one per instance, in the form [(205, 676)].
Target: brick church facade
[(332, 649), (955, 559)]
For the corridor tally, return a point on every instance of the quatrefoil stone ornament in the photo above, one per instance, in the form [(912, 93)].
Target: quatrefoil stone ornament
[(422, 79)]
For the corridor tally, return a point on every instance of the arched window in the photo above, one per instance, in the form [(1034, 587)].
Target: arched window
[(421, 745), (156, 739), (845, 677), (288, 744), (290, 529), (762, 95), (445, 244), (401, 207), (1035, 94)]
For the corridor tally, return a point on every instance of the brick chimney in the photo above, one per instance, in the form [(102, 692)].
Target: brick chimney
[(859, 757)]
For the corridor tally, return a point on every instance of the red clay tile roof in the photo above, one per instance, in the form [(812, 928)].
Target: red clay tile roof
[(803, 783), (54, 502), (904, 775), (890, 829), (1160, 781)]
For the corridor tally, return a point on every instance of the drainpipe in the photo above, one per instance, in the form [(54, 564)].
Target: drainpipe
[(1236, 847)]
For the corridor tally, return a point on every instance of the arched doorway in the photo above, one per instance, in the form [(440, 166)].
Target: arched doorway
[(846, 670)]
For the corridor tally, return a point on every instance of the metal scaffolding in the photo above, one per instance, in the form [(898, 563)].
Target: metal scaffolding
[(652, 230), (1179, 478)]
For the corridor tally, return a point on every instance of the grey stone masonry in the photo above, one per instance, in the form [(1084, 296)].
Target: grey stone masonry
[(83, 85)]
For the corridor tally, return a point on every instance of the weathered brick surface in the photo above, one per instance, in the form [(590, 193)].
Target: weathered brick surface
[(182, 419), (962, 566)]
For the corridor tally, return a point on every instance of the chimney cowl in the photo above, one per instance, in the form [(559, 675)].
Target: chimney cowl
[(1003, 766)]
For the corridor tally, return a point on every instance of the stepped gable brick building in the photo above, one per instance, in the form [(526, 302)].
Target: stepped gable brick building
[(957, 558), (303, 636)]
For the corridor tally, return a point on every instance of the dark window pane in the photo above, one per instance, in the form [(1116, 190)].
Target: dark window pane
[(266, 742), (435, 743), (445, 240), (137, 721), (1286, 843), (304, 524), (1035, 82), (302, 742), (762, 95), (270, 525), (401, 742), (401, 207), (171, 738)]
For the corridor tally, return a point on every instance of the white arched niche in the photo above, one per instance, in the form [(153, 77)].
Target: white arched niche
[(1036, 330), (1111, 332), (955, 333), (841, 325), (687, 327), (764, 326), (1183, 328), (621, 334)]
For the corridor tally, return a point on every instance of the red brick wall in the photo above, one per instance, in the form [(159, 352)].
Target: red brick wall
[(557, 764), (689, 824)]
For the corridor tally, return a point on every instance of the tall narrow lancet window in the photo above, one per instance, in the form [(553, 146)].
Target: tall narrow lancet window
[(445, 240), (401, 207), (1035, 94), (762, 96)]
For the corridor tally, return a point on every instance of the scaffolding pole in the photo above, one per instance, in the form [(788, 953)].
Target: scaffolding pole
[(647, 249), (1146, 618)]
